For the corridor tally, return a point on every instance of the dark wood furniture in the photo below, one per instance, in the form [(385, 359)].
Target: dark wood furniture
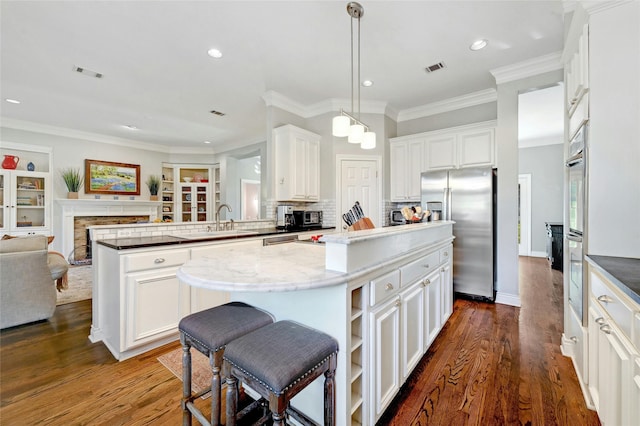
[(554, 244), (278, 361), (209, 331)]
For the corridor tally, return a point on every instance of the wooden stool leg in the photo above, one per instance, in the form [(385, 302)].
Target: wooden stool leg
[(186, 383), (232, 401), (215, 360), (330, 393), (278, 407)]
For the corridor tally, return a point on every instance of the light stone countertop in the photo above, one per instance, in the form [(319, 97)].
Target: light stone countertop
[(369, 234), (281, 267)]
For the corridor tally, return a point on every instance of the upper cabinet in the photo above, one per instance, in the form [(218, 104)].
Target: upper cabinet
[(25, 189), (297, 164), (187, 190), (577, 83), (458, 147)]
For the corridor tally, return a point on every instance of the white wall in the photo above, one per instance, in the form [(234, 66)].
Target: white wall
[(614, 139)]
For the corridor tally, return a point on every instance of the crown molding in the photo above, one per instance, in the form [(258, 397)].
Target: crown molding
[(592, 7), (528, 68), (95, 137), (451, 104), (541, 141)]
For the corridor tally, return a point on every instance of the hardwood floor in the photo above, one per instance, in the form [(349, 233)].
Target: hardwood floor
[(492, 364), (498, 365)]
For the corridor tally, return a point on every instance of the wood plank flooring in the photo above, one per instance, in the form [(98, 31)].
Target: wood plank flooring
[(492, 364)]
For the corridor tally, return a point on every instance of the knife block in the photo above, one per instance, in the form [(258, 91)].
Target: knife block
[(364, 223)]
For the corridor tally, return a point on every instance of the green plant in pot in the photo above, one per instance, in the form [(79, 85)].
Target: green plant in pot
[(74, 180), (153, 182)]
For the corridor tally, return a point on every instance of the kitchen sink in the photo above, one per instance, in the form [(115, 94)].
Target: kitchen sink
[(213, 235)]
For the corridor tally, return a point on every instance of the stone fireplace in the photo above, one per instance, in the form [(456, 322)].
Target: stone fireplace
[(81, 240), (81, 213)]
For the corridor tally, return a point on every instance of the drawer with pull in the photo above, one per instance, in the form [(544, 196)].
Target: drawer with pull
[(446, 254), (612, 303), (155, 260), (418, 268), (385, 286)]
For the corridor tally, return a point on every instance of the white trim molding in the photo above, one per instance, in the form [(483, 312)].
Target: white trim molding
[(452, 104), (508, 299), (528, 68)]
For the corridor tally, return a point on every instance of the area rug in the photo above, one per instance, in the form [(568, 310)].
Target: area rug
[(200, 369), (80, 281)]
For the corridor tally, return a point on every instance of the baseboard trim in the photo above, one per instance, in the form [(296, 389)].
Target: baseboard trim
[(538, 254), (508, 299)]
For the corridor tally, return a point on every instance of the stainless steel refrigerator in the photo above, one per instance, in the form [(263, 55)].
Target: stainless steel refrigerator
[(467, 197)]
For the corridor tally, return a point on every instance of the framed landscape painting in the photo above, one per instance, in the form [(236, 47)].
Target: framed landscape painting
[(105, 177)]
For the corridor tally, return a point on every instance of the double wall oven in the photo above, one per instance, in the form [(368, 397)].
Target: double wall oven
[(575, 235)]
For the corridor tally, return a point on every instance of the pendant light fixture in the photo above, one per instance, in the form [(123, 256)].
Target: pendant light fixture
[(345, 124)]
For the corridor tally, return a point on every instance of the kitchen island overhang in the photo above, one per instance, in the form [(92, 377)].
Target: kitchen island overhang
[(326, 286)]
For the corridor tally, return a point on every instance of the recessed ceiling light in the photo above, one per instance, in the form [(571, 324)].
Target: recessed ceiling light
[(478, 44), (367, 83), (214, 53), (12, 101), (207, 142), (130, 127)]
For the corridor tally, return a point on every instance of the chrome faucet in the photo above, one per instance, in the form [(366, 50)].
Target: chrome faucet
[(218, 214)]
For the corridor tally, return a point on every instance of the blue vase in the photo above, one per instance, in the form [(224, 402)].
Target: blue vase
[(30, 166)]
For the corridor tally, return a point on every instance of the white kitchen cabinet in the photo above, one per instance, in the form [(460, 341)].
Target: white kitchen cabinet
[(413, 323), (156, 301), (613, 379), (167, 192), (441, 152), (577, 72), (25, 195), (187, 192), (407, 162), (446, 279), (297, 164), (458, 147), (434, 310), (385, 354)]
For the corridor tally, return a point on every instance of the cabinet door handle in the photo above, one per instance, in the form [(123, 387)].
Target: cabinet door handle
[(446, 253), (599, 320), (605, 328), (574, 339), (427, 281), (389, 286), (605, 299), (398, 302), (426, 265), (159, 260), (442, 270)]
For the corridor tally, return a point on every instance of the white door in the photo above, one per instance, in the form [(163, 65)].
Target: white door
[(249, 199), (358, 180), (524, 215)]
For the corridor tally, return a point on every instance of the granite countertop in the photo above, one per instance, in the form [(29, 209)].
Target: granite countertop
[(369, 234), (165, 240), (624, 272)]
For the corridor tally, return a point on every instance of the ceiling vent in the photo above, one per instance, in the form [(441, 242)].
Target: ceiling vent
[(218, 113), (87, 72), (435, 67)]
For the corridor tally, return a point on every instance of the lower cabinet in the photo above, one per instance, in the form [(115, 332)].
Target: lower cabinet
[(385, 354), (408, 307), (614, 361), (155, 303)]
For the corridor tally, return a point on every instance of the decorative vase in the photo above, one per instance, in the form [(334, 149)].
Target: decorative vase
[(31, 167), (72, 195), (10, 162), (153, 198)]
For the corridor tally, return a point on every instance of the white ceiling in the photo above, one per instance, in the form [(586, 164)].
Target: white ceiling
[(158, 77)]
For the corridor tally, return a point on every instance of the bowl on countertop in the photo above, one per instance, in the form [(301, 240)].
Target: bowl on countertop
[(187, 179)]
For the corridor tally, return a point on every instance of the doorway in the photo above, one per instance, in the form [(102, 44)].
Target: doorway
[(249, 199), (524, 215), (358, 179)]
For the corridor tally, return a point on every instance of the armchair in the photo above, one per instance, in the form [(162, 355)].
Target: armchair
[(27, 288)]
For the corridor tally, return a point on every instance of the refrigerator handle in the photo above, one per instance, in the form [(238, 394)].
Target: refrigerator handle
[(446, 214)]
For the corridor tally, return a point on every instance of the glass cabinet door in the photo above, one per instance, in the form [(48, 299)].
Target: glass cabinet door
[(4, 201), (29, 190), (193, 202), (201, 203)]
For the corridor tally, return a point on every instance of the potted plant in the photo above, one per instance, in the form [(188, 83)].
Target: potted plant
[(74, 180), (153, 182)]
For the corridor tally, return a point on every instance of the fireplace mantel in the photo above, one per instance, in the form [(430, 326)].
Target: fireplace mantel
[(72, 208)]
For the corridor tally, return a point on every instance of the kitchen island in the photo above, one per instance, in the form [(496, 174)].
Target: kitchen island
[(384, 294)]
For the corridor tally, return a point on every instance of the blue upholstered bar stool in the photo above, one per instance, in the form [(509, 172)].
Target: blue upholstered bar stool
[(278, 361), (209, 331)]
